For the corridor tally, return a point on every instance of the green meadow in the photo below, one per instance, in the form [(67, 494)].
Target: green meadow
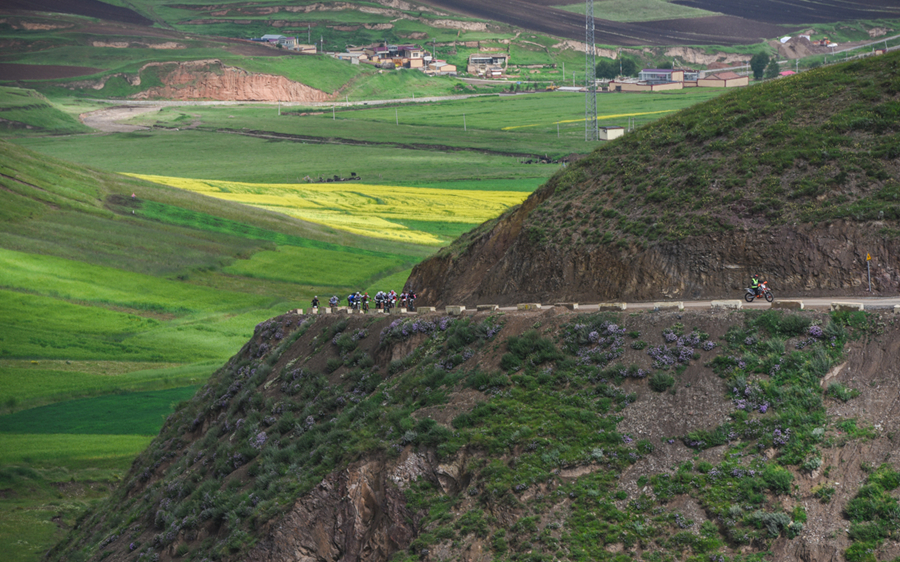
[(115, 307)]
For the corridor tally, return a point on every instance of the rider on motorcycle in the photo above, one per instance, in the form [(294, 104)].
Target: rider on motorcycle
[(315, 301), (333, 301), (754, 283)]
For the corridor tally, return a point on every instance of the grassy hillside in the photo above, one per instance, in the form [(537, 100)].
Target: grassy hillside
[(814, 147), (26, 111), (113, 307), (543, 436)]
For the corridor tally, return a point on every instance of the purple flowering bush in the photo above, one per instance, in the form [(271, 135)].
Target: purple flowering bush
[(594, 340)]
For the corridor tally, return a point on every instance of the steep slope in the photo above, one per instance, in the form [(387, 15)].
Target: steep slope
[(795, 179), (539, 435)]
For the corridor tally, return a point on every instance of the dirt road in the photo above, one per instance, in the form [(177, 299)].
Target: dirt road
[(108, 120), (817, 303)]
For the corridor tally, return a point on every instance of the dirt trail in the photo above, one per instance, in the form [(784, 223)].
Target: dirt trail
[(109, 120)]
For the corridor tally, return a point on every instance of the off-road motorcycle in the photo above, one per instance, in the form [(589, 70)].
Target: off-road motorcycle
[(764, 293)]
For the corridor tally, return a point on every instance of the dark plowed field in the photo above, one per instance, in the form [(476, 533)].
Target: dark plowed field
[(90, 8), (791, 12), (743, 23), (9, 71)]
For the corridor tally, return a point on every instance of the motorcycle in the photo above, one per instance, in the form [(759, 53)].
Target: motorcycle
[(764, 293)]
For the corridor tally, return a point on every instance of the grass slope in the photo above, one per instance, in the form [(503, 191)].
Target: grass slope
[(129, 313), (134, 413), (818, 146), (26, 111)]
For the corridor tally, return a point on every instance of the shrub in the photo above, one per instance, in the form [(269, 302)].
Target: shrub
[(823, 493), (530, 346), (773, 522), (661, 381), (778, 479), (840, 392)]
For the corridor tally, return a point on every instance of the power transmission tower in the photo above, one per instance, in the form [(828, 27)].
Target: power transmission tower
[(590, 75)]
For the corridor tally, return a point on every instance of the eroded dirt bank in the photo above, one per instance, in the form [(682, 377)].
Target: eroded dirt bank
[(212, 80), (504, 267)]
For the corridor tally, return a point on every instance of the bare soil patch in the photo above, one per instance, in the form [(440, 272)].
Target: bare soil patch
[(800, 13), (741, 23), (90, 8), (109, 120)]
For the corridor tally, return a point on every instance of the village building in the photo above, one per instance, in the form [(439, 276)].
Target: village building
[(610, 133), (661, 75), (488, 65), (632, 85), (723, 80), (662, 79), (278, 40)]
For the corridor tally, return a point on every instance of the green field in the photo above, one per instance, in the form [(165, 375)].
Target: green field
[(133, 413), (113, 307), (639, 10)]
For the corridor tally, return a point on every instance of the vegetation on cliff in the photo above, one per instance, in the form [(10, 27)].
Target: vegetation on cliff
[(818, 146), (563, 428)]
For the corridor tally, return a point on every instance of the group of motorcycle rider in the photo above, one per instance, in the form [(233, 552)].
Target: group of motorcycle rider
[(384, 300)]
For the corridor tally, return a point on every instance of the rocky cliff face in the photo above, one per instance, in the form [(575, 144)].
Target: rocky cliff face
[(505, 267), (212, 80), (354, 514)]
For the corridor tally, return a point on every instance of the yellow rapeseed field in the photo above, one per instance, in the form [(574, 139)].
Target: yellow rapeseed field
[(619, 115), (368, 210)]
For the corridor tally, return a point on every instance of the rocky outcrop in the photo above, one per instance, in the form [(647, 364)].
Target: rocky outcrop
[(696, 56), (356, 514), (212, 80), (504, 267), (359, 513)]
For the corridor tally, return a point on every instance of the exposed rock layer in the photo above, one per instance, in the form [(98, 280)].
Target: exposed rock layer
[(212, 80), (503, 267)]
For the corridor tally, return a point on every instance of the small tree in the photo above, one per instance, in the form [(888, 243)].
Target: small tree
[(758, 64), (772, 69), (607, 69), (629, 67)]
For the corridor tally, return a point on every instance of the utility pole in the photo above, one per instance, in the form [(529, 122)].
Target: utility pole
[(590, 75)]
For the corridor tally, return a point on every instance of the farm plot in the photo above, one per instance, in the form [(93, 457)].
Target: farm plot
[(377, 211), (537, 15)]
